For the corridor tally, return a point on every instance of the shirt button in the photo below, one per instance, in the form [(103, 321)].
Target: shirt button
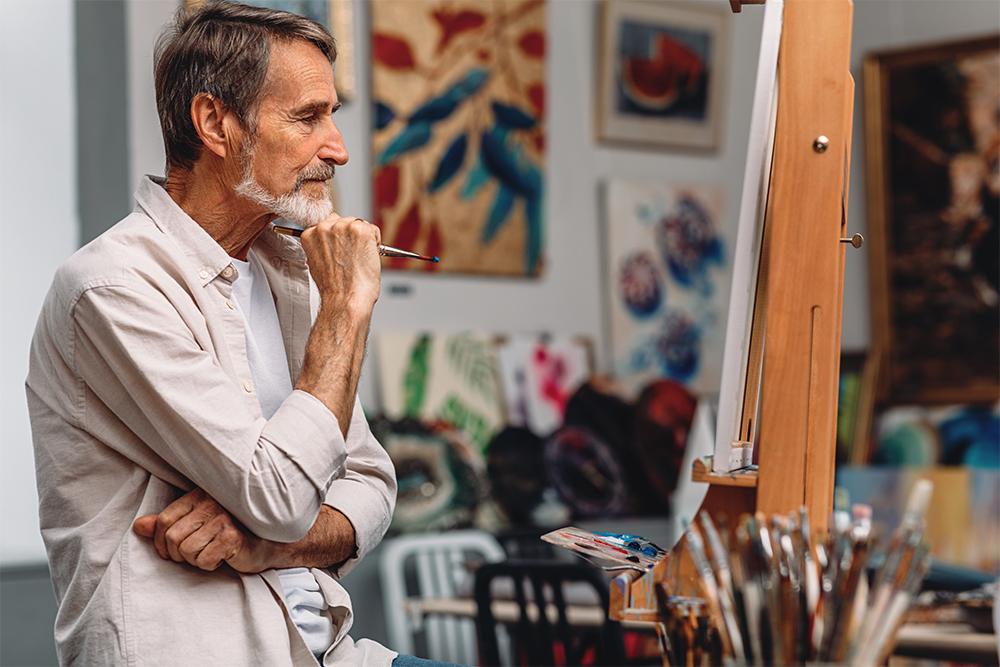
[(230, 304), (248, 386), (276, 262), (228, 271), (203, 274)]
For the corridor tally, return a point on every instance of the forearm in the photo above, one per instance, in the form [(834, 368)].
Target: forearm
[(334, 356), (331, 541)]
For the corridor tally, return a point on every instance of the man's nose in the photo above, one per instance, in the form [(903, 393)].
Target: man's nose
[(333, 149)]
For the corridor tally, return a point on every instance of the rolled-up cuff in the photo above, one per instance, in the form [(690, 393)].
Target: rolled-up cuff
[(308, 433), (365, 508)]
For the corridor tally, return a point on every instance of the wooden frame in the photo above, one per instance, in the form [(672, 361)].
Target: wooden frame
[(935, 319), (338, 17), (662, 74)]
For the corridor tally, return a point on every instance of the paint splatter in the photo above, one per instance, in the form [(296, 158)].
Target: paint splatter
[(679, 345), (689, 243), (640, 285)]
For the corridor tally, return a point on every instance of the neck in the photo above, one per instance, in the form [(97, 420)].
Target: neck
[(208, 195)]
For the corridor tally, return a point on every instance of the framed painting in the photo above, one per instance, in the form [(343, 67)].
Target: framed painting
[(668, 278), (458, 147), (933, 184), (662, 73), (338, 17)]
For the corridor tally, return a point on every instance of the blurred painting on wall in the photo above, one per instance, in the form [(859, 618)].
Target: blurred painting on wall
[(539, 374), (458, 148), (934, 187), (439, 377), (668, 283), (662, 73)]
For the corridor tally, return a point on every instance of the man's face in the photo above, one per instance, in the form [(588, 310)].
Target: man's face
[(287, 162)]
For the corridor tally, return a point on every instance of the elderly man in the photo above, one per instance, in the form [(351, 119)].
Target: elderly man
[(204, 468)]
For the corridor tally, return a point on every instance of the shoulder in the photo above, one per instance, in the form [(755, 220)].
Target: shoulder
[(131, 254)]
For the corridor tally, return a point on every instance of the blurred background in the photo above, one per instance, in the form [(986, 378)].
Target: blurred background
[(585, 212)]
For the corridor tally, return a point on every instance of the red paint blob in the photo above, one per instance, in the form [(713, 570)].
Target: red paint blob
[(393, 52)]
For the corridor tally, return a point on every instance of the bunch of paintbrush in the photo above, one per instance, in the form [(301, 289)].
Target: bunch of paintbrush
[(776, 596)]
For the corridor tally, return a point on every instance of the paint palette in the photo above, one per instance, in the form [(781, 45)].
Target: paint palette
[(621, 549)]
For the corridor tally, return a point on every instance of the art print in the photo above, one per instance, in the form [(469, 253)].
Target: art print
[(539, 375), (663, 70), (668, 279), (458, 90), (438, 377)]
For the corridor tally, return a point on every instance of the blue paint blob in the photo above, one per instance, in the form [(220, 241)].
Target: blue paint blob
[(688, 243), (679, 345)]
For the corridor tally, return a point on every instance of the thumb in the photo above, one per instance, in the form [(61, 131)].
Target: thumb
[(145, 525)]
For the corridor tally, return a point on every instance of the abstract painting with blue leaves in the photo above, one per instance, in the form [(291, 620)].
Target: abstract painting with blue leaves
[(458, 96), (668, 264)]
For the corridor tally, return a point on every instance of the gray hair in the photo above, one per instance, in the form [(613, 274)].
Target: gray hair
[(222, 49)]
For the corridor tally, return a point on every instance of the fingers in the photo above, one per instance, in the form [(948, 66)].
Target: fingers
[(343, 260), (175, 512), (193, 529), (345, 232), (145, 525)]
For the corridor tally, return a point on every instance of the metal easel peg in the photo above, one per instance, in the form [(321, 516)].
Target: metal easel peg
[(857, 240)]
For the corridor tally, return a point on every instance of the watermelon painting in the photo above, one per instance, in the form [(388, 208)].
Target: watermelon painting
[(663, 70)]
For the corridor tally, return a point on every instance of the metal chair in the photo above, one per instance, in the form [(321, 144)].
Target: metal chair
[(535, 637), (432, 566)]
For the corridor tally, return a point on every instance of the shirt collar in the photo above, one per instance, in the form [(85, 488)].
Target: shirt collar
[(205, 254)]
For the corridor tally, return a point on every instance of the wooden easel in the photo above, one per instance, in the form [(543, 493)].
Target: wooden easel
[(800, 292)]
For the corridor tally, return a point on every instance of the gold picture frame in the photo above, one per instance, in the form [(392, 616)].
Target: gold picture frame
[(932, 159)]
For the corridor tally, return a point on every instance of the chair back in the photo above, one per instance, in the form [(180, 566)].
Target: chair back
[(428, 566), (536, 636)]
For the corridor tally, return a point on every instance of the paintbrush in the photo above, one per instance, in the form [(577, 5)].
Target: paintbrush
[(384, 250)]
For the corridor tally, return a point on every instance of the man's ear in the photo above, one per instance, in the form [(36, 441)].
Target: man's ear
[(214, 124)]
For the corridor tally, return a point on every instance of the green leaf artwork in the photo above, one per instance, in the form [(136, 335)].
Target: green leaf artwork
[(470, 358), (415, 378)]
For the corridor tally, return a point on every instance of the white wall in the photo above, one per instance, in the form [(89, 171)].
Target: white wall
[(38, 230)]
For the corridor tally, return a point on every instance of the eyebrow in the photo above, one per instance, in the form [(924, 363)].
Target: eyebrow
[(315, 108)]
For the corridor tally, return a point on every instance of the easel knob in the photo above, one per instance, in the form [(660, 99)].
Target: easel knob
[(857, 240)]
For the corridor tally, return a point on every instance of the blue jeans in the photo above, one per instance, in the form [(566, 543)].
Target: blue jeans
[(403, 660)]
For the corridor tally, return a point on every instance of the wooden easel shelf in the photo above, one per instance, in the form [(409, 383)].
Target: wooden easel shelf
[(702, 472)]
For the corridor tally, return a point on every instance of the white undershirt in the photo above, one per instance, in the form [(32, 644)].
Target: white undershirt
[(273, 383)]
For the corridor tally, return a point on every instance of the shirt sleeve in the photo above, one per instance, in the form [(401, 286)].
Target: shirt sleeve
[(152, 391), (366, 494)]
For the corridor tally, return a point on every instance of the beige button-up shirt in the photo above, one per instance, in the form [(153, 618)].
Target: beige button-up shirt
[(139, 390)]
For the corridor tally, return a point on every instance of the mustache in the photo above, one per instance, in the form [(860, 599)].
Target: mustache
[(319, 172)]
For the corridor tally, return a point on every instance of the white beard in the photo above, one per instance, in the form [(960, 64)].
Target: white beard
[(295, 206)]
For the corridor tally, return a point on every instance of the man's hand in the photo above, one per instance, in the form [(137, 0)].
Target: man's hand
[(344, 261), (197, 530)]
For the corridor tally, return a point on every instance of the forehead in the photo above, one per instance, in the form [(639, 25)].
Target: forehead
[(298, 73)]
